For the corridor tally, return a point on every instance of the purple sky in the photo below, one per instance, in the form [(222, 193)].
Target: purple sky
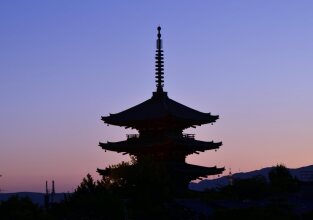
[(64, 64)]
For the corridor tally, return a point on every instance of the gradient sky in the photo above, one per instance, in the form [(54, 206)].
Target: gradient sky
[(66, 63)]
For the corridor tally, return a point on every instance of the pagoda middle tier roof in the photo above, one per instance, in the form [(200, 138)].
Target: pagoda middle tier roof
[(138, 145), (159, 111), (189, 171)]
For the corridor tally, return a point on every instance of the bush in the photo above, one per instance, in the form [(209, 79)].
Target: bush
[(20, 209), (255, 213), (281, 180), (91, 200)]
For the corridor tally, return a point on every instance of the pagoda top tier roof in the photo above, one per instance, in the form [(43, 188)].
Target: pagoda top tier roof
[(159, 111)]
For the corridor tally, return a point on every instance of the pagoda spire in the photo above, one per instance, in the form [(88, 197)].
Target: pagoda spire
[(159, 63)]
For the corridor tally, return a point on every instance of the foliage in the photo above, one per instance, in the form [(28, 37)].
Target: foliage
[(281, 180), (127, 188), (145, 180), (91, 200), (145, 184), (308, 215), (20, 209), (144, 191), (252, 188), (120, 177), (255, 213)]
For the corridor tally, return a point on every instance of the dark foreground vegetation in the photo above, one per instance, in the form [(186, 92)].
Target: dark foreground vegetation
[(132, 192)]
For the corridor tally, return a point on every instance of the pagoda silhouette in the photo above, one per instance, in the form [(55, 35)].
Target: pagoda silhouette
[(160, 122)]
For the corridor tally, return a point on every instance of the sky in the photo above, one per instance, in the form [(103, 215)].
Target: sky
[(66, 63)]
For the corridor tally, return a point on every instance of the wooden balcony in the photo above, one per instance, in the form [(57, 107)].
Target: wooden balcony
[(136, 136), (190, 136)]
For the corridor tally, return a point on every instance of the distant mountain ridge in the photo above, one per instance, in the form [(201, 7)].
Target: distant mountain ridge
[(301, 173), (37, 198)]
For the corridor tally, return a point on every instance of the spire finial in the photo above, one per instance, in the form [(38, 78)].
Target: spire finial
[(159, 32), (159, 63)]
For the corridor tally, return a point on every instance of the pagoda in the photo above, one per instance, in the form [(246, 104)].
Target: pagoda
[(160, 122)]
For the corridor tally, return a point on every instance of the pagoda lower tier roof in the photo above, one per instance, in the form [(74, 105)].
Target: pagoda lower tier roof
[(159, 111), (137, 145)]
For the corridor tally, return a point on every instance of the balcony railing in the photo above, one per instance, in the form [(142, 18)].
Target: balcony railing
[(191, 136), (136, 136), (132, 136)]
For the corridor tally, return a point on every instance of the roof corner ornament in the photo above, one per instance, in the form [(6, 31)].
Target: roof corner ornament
[(159, 63)]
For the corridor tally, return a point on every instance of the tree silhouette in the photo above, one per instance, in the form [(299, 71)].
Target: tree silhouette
[(281, 180), (90, 200), (145, 186), (16, 208), (145, 180)]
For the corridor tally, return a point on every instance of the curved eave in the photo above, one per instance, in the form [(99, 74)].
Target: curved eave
[(189, 170), (166, 121), (103, 172), (159, 108), (115, 147), (195, 171), (133, 146)]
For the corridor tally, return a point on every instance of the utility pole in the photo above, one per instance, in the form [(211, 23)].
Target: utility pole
[(52, 192), (47, 197), (0, 188)]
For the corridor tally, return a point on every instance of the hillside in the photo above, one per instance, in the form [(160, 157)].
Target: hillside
[(302, 173), (37, 198)]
